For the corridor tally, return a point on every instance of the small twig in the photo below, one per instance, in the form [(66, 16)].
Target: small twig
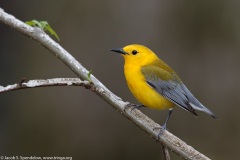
[(166, 155), (22, 80), (45, 83)]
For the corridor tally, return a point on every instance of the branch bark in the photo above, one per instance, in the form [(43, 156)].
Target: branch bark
[(46, 83), (172, 142)]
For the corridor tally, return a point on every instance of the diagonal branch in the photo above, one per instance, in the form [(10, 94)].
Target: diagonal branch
[(172, 142)]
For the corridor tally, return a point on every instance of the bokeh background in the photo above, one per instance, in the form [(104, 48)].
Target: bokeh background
[(199, 39)]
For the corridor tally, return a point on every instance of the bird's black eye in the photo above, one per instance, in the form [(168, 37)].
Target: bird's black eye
[(134, 52)]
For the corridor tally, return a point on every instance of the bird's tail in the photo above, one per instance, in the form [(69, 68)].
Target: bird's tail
[(202, 108), (196, 104)]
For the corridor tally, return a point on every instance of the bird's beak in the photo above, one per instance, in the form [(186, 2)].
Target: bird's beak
[(119, 50)]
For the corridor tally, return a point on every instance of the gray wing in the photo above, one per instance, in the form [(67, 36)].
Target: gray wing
[(173, 89), (173, 92)]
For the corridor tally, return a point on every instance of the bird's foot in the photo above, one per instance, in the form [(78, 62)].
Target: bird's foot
[(162, 129), (164, 126), (135, 106)]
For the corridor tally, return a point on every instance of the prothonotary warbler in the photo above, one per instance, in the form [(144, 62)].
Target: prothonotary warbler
[(154, 84)]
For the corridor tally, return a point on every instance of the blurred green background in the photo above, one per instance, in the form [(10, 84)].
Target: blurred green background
[(199, 39)]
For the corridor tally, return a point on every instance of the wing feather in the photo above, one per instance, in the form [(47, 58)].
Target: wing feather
[(168, 85)]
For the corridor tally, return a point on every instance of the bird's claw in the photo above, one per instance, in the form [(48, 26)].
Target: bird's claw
[(135, 106), (127, 106), (162, 129)]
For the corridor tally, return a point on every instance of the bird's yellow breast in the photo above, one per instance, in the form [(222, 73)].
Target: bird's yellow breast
[(142, 91)]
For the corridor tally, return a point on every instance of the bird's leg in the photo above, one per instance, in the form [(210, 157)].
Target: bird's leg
[(164, 126), (135, 106)]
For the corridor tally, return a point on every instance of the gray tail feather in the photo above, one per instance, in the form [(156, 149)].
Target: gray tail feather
[(202, 108), (196, 104)]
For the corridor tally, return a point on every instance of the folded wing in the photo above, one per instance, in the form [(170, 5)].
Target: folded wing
[(169, 85)]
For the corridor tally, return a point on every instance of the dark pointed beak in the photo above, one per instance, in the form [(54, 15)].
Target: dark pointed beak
[(119, 50)]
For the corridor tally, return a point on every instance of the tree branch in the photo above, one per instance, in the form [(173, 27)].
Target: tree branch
[(46, 83), (166, 154), (172, 142)]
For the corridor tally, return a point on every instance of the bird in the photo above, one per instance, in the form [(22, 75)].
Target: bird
[(155, 84)]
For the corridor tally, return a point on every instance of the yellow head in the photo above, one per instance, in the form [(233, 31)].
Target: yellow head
[(136, 54)]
